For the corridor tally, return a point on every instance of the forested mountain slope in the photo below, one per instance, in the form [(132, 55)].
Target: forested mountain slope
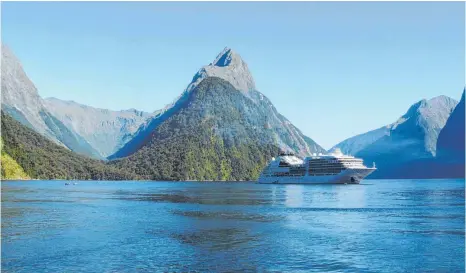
[(43, 159)]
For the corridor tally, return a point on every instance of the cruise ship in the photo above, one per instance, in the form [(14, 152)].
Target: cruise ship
[(334, 168)]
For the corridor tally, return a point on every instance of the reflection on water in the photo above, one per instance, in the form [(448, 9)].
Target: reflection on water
[(231, 215), (380, 226), (294, 196)]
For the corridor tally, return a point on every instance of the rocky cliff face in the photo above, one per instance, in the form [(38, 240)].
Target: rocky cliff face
[(21, 100), (19, 93), (229, 66)]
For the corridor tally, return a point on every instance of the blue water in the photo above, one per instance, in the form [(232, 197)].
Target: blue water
[(379, 226)]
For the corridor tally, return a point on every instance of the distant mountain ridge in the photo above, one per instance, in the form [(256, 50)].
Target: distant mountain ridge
[(412, 137), (228, 66), (105, 130), (353, 145)]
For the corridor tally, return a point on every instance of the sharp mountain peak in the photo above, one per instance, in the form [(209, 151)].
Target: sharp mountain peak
[(229, 66), (226, 57)]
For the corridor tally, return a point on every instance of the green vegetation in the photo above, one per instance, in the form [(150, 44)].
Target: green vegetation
[(208, 139), (42, 159), (197, 155), (11, 170)]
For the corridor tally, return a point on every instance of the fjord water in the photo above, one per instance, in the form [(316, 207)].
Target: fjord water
[(378, 226)]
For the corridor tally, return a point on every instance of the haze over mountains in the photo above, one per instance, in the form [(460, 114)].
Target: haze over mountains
[(411, 138), (422, 122), (105, 130), (219, 128)]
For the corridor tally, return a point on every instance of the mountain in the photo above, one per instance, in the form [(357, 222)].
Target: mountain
[(220, 128), (412, 137), (450, 153), (21, 100), (34, 156), (229, 67), (431, 116), (450, 144), (105, 130), (209, 138)]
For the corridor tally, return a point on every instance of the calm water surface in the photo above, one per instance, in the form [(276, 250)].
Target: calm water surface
[(379, 226)]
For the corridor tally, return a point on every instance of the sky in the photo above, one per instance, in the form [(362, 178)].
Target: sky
[(334, 69)]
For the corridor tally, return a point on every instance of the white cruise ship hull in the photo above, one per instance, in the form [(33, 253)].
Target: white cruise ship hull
[(348, 176)]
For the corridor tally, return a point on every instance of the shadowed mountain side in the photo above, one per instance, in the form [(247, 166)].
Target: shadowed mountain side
[(411, 139), (451, 140)]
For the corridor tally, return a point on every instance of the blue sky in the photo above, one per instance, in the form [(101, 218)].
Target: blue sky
[(334, 69)]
